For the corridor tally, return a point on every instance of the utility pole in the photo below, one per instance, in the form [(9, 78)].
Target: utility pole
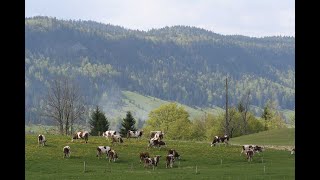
[(227, 122)]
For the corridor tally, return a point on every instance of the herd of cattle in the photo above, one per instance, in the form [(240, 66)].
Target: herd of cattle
[(154, 141)]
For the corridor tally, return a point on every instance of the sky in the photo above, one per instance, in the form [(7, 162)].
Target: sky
[(254, 18)]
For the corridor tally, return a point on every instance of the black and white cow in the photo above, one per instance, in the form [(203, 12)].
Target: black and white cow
[(156, 134), (156, 143), (220, 139), (293, 151), (174, 153), (250, 154), (42, 140), (169, 160), (254, 148), (103, 150), (113, 156), (134, 134), (81, 135), (66, 151), (152, 161)]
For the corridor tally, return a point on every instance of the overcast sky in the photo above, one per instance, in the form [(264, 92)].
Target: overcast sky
[(255, 18)]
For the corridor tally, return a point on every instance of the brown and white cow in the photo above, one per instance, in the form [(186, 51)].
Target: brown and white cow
[(143, 155), (134, 134), (112, 155), (220, 139), (169, 160), (255, 148), (103, 150), (152, 161), (174, 153), (108, 134), (66, 151), (156, 134), (250, 154), (81, 135), (42, 140), (116, 138)]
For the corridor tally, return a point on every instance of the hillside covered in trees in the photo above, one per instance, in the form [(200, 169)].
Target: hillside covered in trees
[(184, 64)]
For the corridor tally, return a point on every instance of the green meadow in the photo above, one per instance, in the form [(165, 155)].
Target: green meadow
[(198, 161)]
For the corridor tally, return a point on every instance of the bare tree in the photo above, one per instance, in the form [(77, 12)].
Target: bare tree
[(243, 108), (64, 104), (227, 117)]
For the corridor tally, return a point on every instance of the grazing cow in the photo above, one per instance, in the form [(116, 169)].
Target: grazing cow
[(134, 134), (143, 155), (116, 138), (112, 155), (169, 160), (221, 139), (81, 135), (156, 134), (108, 134), (42, 140), (156, 142), (152, 161), (250, 154), (66, 151), (293, 151), (174, 153), (247, 147), (103, 150)]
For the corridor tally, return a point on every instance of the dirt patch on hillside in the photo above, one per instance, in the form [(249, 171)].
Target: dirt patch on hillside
[(285, 148)]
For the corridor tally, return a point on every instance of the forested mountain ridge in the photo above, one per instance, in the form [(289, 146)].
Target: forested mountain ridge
[(179, 63)]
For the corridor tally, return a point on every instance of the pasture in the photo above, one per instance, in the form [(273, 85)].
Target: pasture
[(198, 161)]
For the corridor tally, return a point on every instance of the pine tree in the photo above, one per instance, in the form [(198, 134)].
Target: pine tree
[(127, 124), (98, 122)]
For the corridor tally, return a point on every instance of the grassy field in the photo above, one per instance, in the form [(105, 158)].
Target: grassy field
[(278, 137), (198, 161)]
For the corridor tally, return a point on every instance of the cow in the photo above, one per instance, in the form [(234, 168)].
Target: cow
[(66, 151), (112, 155), (174, 153), (143, 155), (250, 154), (247, 147), (108, 134), (220, 139), (81, 135), (156, 142), (169, 160), (293, 151), (103, 150), (42, 140), (116, 138), (152, 161), (156, 134), (134, 134)]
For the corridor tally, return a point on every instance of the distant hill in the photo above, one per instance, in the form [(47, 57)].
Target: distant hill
[(180, 63)]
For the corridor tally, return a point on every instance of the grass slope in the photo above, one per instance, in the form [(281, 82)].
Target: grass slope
[(141, 106), (218, 162), (278, 137)]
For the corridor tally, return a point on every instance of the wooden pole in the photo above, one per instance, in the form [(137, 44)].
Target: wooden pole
[(84, 166)]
